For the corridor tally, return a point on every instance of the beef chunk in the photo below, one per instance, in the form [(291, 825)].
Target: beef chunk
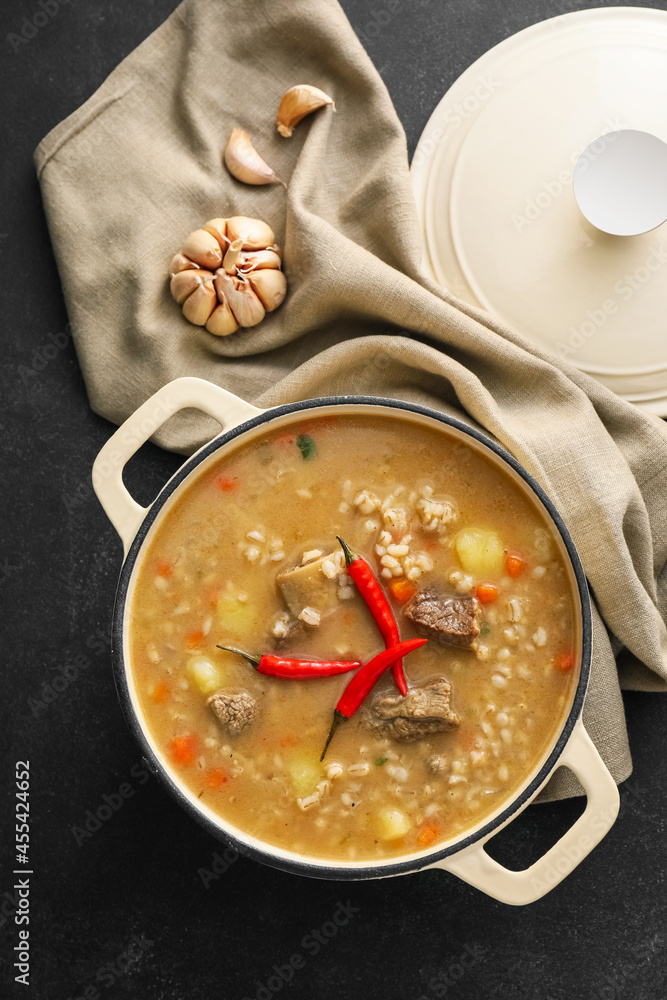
[(233, 708), (422, 711), (450, 620)]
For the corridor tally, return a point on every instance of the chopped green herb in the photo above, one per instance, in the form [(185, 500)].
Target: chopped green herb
[(484, 630), (381, 760), (306, 446)]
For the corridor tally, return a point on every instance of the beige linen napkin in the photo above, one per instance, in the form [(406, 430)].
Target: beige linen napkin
[(131, 173)]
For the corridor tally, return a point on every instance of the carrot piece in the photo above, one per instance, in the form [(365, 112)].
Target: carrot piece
[(161, 692), (163, 568), (486, 593), (184, 749), (288, 741), (515, 564), (226, 484), (194, 640), (402, 590), (428, 835), (469, 740), (212, 597), (330, 422), (215, 778), (563, 662)]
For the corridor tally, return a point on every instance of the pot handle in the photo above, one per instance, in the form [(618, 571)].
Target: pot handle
[(122, 510), (476, 867)]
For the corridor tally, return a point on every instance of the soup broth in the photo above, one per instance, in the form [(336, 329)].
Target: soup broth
[(248, 558)]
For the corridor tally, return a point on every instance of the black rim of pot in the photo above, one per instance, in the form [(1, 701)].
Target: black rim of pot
[(315, 868)]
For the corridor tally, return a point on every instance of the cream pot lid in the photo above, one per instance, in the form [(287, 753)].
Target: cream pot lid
[(541, 142)]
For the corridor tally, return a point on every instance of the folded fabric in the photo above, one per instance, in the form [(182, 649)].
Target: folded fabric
[(127, 176)]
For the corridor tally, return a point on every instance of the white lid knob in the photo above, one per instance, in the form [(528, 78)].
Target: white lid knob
[(620, 182)]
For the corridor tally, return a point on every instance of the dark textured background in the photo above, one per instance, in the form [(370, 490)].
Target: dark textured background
[(601, 935)]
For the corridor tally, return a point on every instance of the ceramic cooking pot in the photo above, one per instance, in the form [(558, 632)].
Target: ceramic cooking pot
[(464, 855)]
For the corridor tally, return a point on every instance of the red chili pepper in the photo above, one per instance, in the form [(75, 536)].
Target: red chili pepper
[(364, 680), (378, 605), (282, 666)]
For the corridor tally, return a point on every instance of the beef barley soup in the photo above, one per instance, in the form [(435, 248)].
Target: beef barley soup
[(248, 557)]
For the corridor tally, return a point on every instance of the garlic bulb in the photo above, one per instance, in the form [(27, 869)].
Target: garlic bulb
[(248, 281), (244, 162), (298, 102)]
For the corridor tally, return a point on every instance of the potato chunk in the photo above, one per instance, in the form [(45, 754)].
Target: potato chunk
[(240, 620), (392, 823), (480, 552), (204, 674), (304, 771)]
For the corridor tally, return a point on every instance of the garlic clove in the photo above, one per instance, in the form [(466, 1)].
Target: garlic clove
[(256, 260), (231, 257), (181, 263), (256, 235), (246, 307), (203, 249), (269, 286), (296, 103), (200, 304), (183, 283), (244, 162), (218, 228), (221, 322)]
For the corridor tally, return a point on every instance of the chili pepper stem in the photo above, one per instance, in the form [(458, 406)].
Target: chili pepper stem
[(350, 556), (338, 717), (250, 657)]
